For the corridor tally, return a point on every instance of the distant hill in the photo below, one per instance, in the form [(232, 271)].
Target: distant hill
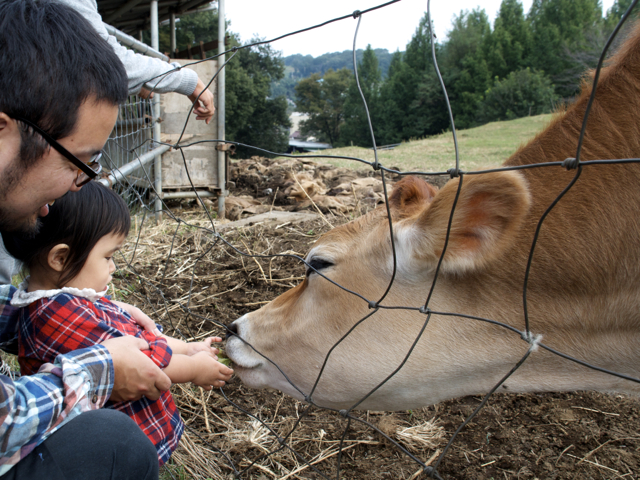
[(302, 66), (305, 65)]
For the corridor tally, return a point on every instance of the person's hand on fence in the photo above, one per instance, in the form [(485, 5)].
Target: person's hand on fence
[(203, 108), (135, 374), (204, 346), (145, 93), (141, 318), (210, 373)]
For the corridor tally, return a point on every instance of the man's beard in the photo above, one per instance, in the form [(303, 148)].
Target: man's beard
[(10, 180), (27, 228)]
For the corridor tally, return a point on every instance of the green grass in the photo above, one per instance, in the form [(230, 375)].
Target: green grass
[(480, 147), (171, 471)]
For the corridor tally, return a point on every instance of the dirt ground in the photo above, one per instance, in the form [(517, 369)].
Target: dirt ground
[(193, 285)]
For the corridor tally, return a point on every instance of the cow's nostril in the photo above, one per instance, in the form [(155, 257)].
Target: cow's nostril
[(232, 329)]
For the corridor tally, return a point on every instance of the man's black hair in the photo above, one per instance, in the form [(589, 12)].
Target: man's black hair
[(51, 61), (78, 219)]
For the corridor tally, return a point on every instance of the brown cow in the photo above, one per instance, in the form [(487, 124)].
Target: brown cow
[(583, 293)]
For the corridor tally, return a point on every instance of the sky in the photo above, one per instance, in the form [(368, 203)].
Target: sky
[(390, 27)]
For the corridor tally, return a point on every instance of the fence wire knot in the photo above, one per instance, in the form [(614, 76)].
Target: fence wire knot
[(344, 413), (570, 163), (373, 304), (532, 340), (429, 472), (454, 172), (424, 309), (356, 13)]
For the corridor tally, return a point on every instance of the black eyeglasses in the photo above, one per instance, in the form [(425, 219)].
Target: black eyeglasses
[(86, 171)]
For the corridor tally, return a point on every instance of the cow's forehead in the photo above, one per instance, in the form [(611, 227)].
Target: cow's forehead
[(346, 234)]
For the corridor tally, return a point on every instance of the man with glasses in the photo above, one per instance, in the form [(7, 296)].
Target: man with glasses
[(60, 86), (86, 171)]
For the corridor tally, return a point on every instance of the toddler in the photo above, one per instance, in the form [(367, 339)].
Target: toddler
[(64, 308)]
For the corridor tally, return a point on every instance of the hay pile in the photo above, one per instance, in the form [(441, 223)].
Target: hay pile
[(263, 184)]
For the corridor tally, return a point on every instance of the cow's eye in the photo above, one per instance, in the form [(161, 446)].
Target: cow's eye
[(317, 264)]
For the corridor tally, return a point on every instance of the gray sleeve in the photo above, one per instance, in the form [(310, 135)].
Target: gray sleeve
[(140, 68), (8, 265)]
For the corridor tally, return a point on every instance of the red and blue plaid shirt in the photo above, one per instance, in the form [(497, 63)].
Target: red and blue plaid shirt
[(35, 406), (52, 326)]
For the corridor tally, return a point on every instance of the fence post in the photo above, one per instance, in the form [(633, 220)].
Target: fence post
[(222, 180), (157, 163), (173, 32)]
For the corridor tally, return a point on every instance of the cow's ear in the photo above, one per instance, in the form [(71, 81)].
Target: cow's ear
[(411, 193), (488, 215)]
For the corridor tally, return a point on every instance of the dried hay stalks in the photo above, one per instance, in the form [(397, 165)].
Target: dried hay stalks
[(202, 462), (255, 434), (199, 461), (425, 436), (247, 440), (417, 438)]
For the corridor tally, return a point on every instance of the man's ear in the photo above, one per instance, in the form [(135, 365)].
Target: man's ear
[(58, 257), (9, 128), (9, 134), (7, 121)]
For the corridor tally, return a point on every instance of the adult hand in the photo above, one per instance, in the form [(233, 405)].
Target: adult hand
[(135, 374), (139, 317), (204, 108), (145, 93)]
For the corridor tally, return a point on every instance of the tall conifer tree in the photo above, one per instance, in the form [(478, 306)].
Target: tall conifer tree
[(356, 128)]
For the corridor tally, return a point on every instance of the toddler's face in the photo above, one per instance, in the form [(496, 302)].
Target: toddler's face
[(99, 266)]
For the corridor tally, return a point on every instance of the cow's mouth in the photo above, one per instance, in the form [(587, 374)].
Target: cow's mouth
[(242, 356), (240, 360), (238, 366)]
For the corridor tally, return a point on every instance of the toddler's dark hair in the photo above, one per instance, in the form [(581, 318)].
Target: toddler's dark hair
[(78, 219)]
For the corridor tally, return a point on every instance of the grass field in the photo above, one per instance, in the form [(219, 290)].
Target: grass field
[(480, 147)]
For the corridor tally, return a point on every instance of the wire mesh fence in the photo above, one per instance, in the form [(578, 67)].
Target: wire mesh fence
[(130, 139), (197, 250)]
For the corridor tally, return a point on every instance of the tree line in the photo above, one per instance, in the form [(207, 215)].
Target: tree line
[(300, 66), (522, 65), (304, 65)]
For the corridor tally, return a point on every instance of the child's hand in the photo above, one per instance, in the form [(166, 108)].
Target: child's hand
[(205, 346), (211, 373)]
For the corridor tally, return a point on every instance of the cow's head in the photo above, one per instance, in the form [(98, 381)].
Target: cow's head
[(297, 330)]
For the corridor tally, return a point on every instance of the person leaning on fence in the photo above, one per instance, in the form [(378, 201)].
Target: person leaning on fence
[(60, 86), (151, 74), (64, 307)]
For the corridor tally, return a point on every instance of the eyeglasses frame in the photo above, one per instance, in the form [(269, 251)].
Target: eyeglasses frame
[(82, 167)]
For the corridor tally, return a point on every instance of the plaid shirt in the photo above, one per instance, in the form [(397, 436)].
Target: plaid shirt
[(64, 323), (33, 407)]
